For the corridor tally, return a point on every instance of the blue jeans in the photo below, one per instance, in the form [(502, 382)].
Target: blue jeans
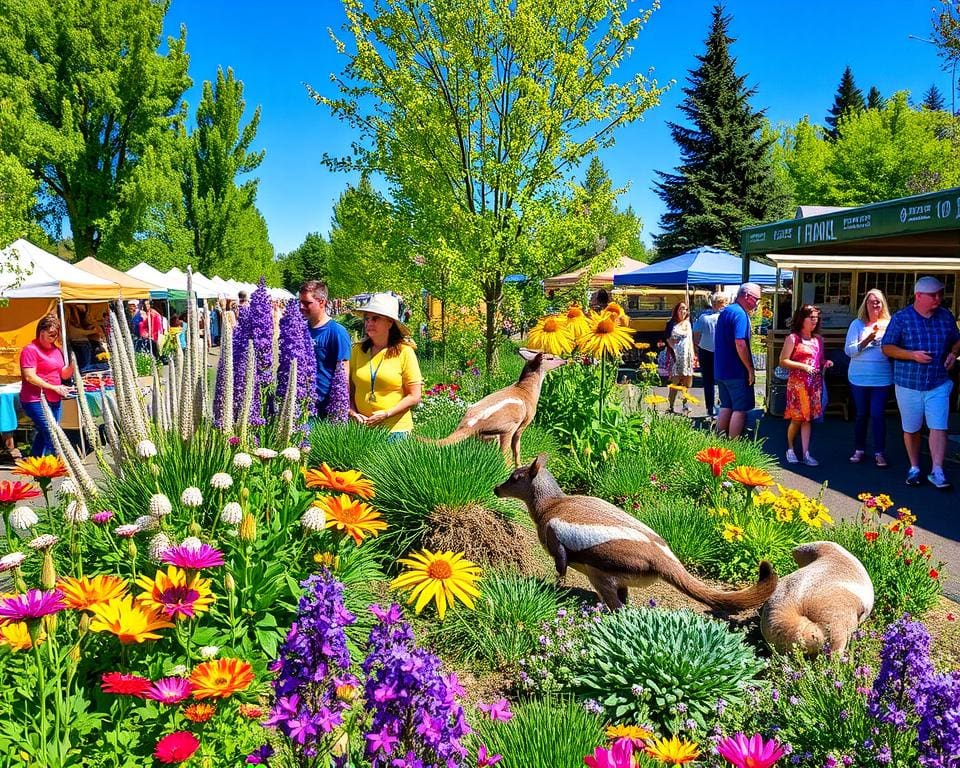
[(870, 403), (42, 442)]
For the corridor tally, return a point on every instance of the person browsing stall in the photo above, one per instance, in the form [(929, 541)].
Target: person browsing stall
[(703, 339), (385, 379), (42, 371)]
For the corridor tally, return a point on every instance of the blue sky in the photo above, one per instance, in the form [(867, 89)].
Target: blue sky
[(794, 59)]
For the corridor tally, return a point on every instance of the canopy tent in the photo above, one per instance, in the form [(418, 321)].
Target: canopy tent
[(130, 286), (43, 275), (148, 274), (603, 279), (223, 287), (178, 280), (280, 294), (699, 266), (204, 283)]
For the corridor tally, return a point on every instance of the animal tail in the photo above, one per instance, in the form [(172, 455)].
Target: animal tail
[(734, 601), (458, 435), (787, 627)]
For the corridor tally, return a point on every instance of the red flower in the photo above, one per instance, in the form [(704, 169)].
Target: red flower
[(951, 617), (716, 457), (908, 531), (871, 535), (934, 573), (176, 747), (124, 684), (12, 491), (924, 550)]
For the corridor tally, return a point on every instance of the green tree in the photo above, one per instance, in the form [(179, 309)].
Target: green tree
[(474, 112), (17, 188), (94, 98), (725, 180), (848, 100), (874, 99), (217, 154), (247, 251), (933, 99), (308, 261)]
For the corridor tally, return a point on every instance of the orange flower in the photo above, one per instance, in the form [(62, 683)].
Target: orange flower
[(870, 535), (81, 593), (199, 712), (220, 678), (934, 573), (13, 491), (128, 620), (355, 518), (749, 476), (251, 711), (47, 467), (350, 481), (716, 457)]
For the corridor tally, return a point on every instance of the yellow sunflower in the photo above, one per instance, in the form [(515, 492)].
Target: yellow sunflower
[(655, 400), (576, 321), (40, 467), (349, 481), (605, 335), (551, 335), (176, 594), (17, 637), (732, 532), (130, 621), (749, 476), (673, 751), (355, 518), (86, 591), (441, 576)]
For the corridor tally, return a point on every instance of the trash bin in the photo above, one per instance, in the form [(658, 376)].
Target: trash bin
[(778, 392)]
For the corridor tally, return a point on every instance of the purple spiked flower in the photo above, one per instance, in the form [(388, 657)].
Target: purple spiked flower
[(30, 606), (193, 558), (295, 343), (905, 663), (338, 403)]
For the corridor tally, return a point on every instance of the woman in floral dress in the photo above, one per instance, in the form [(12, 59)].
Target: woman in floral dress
[(803, 356), (680, 344)]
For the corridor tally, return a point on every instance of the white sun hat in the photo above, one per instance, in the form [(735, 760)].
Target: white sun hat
[(385, 305)]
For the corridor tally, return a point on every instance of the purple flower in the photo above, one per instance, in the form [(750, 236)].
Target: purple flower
[(102, 517), (170, 690), (193, 558), (253, 322), (938, 732), (295, 344), (498, 711), (30, 606), (338, 401), (260, 755), (905, 662)]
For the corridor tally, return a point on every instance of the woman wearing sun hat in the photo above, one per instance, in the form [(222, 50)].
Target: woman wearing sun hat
[(385, 379)]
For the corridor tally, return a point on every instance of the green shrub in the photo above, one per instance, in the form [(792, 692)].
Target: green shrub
[(505, 624), (900, 572), (412, 479), (687, 526), (439, 419), (665, 667), (545, 733), (344, 446)]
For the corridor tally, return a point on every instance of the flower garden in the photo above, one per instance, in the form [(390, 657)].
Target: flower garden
[(236, 589)]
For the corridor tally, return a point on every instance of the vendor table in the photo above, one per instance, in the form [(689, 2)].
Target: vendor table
[(69, 417)]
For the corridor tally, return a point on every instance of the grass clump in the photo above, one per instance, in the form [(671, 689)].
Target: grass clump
[(665, 667), (544, 733), (505, 625), (344, 446), (687, 526)]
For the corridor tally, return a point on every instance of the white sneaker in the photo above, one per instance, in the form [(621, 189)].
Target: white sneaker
[(810, 461), (792, 456), (937, 480)]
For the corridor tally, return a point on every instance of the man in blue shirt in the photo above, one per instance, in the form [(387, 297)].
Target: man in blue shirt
[(922, 340), (703, 339), (331, 342), (733, 361)]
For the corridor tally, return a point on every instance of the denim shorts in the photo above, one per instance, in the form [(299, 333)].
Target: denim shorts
[(916, 405), (736, 394)]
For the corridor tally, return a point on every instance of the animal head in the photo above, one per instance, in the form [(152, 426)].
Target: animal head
[(540, 362), (520, 483)]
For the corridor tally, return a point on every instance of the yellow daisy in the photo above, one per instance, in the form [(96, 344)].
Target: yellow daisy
[(440, 576), (81, 593), (673, 751), (732, 532), (604, 336), (551, 335), (577, 323), (355, 518)]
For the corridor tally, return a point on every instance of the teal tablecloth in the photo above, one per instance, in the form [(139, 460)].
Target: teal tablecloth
[(10, 405)]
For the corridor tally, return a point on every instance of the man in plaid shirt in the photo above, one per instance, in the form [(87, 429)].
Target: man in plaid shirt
[(923, 342)]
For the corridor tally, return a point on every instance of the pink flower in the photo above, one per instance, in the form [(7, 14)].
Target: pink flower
[(176, 747), (618, 756), (193, 558), (170, 690), (102, 517), (754, 752), (499, 711), (485, 760), (30, 606)]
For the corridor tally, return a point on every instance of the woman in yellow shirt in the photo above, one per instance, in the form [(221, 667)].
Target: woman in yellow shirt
[(385, 379)]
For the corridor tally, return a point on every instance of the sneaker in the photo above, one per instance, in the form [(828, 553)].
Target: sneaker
[(810, 461), (792, 457), (937, 480), (913, 476)]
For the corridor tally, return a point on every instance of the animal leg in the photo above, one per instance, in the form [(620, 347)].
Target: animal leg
[(623, 594), (515, 444), (504, 444), (607, 588), (558, 552)]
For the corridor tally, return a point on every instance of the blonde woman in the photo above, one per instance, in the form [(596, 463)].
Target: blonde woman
[(870, 375)]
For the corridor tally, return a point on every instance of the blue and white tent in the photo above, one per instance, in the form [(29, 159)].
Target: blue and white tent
[(700, 266)]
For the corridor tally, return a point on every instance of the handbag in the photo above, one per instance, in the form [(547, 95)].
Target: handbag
[(663, 363)]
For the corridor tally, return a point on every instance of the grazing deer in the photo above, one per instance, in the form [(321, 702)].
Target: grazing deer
[(504, 414), (612, 549), (826, 599)]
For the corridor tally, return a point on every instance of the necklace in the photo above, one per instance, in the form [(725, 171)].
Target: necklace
[(372, 396)]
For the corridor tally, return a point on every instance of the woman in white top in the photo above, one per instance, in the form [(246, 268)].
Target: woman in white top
[(870, 375), (680, 343)]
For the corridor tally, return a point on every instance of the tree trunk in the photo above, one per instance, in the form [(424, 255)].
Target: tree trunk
[(492, 293), (84, 242)]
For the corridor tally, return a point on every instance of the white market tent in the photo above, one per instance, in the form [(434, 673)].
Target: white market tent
[(223, 287), (43, 275), (281, 294), (177, 279)]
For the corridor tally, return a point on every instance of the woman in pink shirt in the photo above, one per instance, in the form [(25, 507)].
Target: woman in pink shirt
[(151, 326), (42, 369)]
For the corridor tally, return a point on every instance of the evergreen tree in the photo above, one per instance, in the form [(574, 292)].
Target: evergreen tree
[(724, 181), (849, 98), (933, 99), (308, 261), (874, 99)]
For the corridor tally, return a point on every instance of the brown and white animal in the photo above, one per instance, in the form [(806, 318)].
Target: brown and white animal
[(612, 549), (826, 599), (504, 414)]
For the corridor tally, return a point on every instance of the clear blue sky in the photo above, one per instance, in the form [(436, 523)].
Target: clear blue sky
[(792, 53)]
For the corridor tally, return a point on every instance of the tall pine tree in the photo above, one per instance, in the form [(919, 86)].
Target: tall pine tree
[(849, 98), (874, 99), (724, 181), (933, 99)]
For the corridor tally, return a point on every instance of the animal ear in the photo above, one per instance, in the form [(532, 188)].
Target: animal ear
[(538, 463), (527, 354)]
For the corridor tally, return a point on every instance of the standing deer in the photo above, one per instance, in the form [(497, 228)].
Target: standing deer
[(612, 549), (504, 414)]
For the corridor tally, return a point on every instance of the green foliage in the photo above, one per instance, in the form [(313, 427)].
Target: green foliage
[(308, 261), (687, 526), (547, 733), (900, 572), (725, 180), (505, 625), (649, 665), (16, 191), (562, 648), (144, 363), (412, 479), (847, 102), (344, 446)]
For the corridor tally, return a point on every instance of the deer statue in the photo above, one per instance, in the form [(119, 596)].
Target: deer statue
[(504, 414), (612, 549)]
